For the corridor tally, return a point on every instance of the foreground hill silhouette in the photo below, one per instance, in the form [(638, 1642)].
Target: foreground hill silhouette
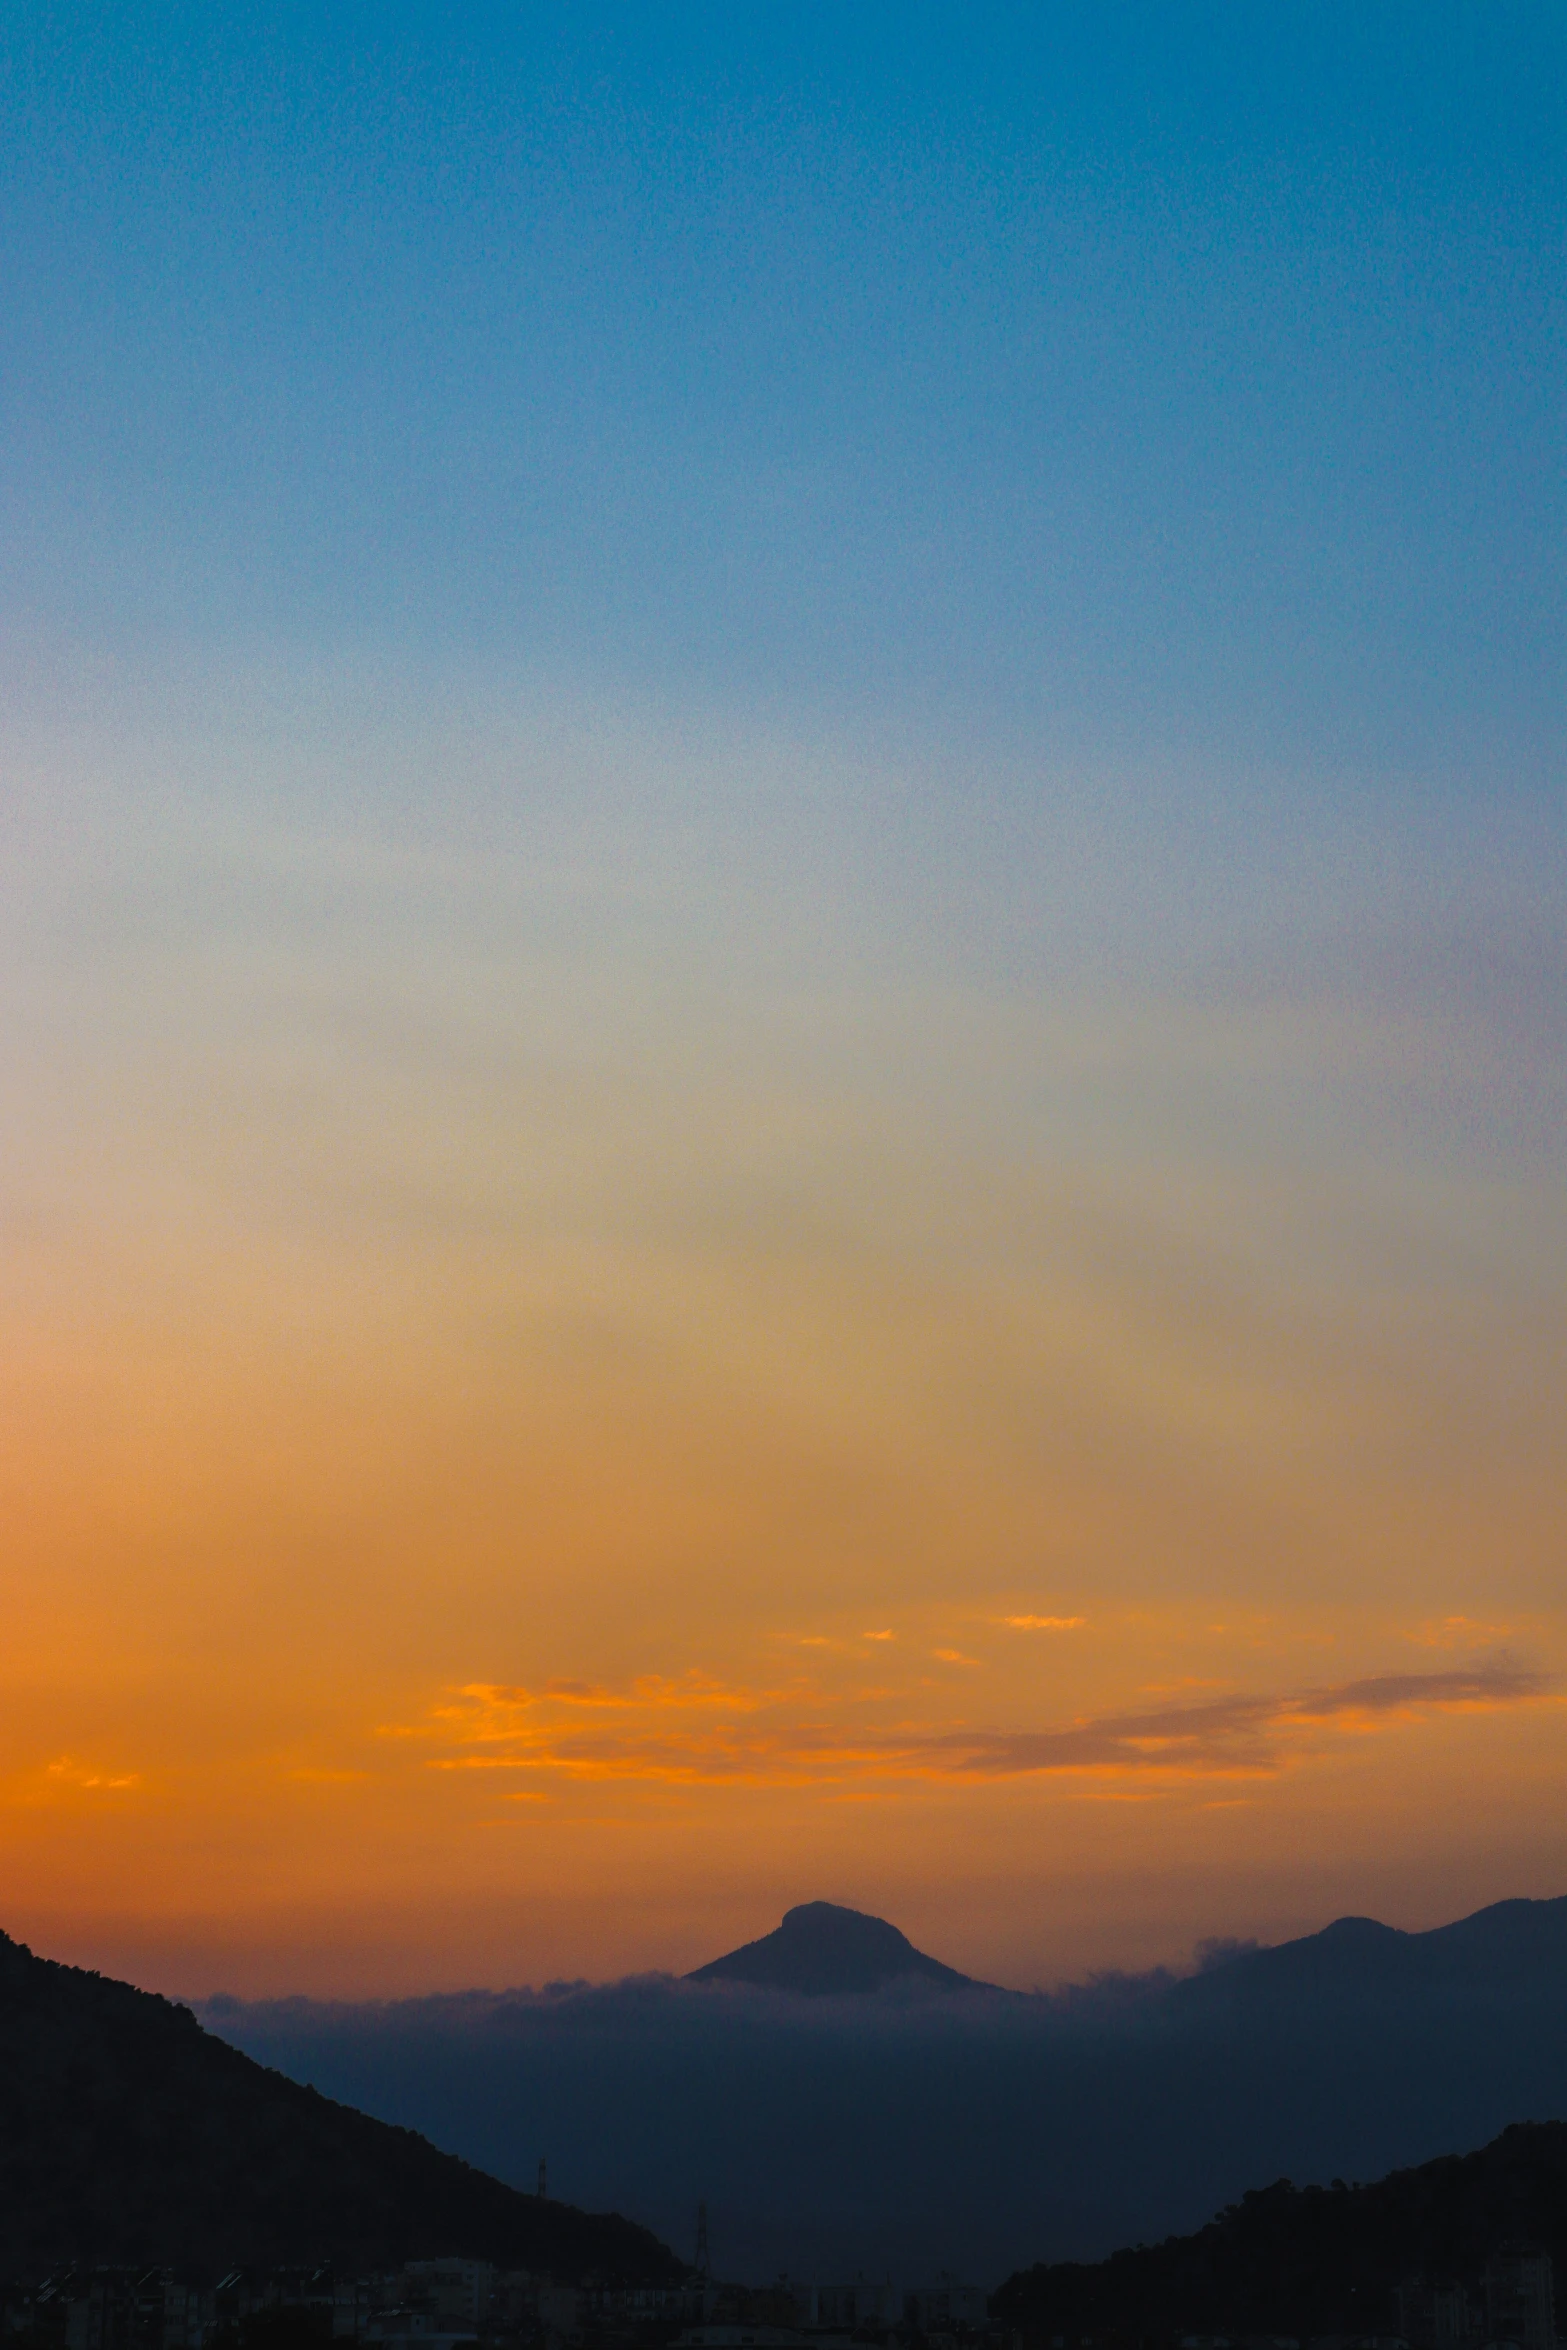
[(127, 2133), (1315, 2260), (823, 1951)]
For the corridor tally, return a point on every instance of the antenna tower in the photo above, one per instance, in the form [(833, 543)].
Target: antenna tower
[(704, 2267)]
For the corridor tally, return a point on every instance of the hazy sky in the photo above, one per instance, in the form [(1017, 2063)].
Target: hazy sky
[(783, 846)]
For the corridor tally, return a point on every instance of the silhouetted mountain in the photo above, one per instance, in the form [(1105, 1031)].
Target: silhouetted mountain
[(1316, 2259), (129, 2133), (1510, 1947), (1115, 2111), (821, 1949)]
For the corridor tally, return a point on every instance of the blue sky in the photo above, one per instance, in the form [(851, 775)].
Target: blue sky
[(1165, 378)]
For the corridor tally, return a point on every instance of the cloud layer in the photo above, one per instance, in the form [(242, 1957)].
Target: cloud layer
[(694, 1729)]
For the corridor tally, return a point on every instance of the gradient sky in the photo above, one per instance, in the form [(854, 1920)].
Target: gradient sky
[(783, 842)]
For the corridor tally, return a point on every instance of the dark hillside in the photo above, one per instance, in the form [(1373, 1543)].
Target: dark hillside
[(127, 2133), (1315, 2260)]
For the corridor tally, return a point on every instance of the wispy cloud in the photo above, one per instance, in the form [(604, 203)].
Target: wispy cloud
[(1044, 1623), (68, 1772), (1460, 1632), (1232, 1733), (697, 1730)]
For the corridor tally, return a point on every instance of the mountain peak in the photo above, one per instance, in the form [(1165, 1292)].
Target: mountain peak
[(822, 1950)]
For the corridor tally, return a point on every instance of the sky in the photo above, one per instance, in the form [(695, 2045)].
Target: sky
[(782, 851)]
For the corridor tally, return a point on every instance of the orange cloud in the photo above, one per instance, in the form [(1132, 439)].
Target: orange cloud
[(68, 1772), (793, 1737)]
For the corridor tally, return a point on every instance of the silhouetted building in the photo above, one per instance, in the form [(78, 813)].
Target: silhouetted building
[(741, 2337), (560, 2308), (847, 2309), (455, 2291), (1434, 2317), (1520, 2299), (419, 2329), (948, 2307)]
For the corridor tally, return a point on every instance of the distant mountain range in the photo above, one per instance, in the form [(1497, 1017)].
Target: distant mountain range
[(1317, 2260), (841, 2100), (127, 2133), (1491, 1955), (823, 1951)]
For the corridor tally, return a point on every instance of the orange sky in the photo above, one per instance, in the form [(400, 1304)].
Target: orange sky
[(569, 1382)]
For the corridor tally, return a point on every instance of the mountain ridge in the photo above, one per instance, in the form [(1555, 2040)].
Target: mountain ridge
[(1492, 1949), (824, 1949)]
